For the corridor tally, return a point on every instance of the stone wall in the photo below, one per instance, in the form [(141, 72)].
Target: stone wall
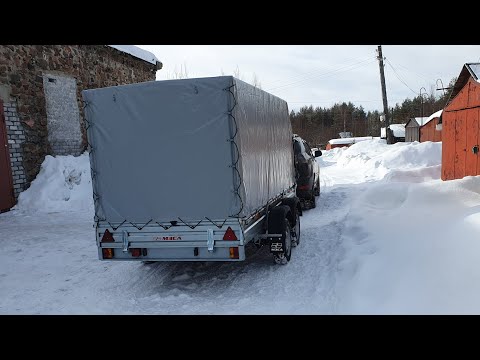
[(22, 71)]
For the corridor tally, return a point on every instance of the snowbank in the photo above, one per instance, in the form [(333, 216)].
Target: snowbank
[(397, 162), (63, 184)]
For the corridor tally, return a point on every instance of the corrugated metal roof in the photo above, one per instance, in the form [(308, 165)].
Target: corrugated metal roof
[(475, 70), (469, 70)]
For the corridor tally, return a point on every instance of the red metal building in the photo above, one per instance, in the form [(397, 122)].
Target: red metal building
[(428, 131), (460, 126)]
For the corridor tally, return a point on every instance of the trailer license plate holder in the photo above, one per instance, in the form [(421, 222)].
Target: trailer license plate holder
[(276, 247)]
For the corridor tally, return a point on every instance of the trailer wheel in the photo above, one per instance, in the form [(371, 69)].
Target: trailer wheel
[(296, 230), (284, 258)]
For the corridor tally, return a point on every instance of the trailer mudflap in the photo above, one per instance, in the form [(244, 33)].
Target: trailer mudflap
[(276, 244)]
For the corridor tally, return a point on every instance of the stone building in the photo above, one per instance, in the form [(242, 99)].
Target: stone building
[(40, 98)]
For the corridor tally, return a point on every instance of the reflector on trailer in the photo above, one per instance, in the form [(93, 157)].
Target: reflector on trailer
[(234, 253), (136, 252), (229, 234), (107, 253), (107, 236)]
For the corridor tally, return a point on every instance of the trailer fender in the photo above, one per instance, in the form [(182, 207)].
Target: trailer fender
[(295, 206), (276, 219)]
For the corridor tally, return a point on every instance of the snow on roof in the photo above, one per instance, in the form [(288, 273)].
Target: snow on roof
[(433, 116), (398, 130), (475, 69), (469, 70), (137, 52), (349, 140), (421, 120)]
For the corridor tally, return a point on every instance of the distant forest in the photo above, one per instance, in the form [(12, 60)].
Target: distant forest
[(318, 125)]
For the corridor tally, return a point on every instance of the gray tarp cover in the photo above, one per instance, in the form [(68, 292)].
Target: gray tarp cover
[(161, 149)]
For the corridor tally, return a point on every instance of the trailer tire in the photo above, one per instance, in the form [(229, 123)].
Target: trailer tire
[(294, 204), (284, 258)]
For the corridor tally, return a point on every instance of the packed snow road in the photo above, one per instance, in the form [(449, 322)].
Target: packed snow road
[(49, 265), (387, 236)]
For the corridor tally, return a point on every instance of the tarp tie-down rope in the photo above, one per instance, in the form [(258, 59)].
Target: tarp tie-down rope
[(218, 226), (165, 227), (190, 226), (93, 172), (141, 227), (236, 191)]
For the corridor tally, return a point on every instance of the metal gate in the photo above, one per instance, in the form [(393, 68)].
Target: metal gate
[(7, 199)]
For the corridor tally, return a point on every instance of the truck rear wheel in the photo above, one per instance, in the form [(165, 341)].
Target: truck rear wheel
[(284, 258), (313, 200), (316, 190), (296, 230)]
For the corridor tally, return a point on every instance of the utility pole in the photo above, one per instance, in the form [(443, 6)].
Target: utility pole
[(384, 91)]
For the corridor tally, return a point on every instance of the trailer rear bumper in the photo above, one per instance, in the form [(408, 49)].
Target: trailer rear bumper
[(176, 253), (176, 243)]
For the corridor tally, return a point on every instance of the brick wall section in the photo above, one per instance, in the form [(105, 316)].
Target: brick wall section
[(21, 71), (16, 137)]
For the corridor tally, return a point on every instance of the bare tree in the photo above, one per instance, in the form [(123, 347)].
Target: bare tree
[(237, 74), (256, 81), (179, 74)]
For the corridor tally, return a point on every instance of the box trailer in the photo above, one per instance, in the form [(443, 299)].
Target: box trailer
[(191, 170)]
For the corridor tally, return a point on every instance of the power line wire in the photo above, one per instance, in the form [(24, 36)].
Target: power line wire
[(314, 71), (398, 77), (329, 73), (414, 72)]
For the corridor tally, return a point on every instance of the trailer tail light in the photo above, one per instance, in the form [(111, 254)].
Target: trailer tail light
[(107, 237), (234, 253), (229, 234), (107, 253), (136, 252)]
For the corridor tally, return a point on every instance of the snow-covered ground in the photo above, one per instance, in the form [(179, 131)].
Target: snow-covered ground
[(387, 237)]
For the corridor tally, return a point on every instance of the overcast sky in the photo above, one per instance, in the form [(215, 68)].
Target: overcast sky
[(322, 75)]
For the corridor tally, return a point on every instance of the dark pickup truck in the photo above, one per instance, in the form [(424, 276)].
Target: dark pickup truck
[(307, 172)]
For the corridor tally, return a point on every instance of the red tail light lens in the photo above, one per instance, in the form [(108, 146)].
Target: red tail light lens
[(107, 236), (136, 252), (234, 253), (303, 187), (107, 253), (229, 234)]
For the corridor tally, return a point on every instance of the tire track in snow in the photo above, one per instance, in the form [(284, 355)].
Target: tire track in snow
[(67, 277)]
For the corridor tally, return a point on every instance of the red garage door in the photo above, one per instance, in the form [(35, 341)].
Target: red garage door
[(7, 199)]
